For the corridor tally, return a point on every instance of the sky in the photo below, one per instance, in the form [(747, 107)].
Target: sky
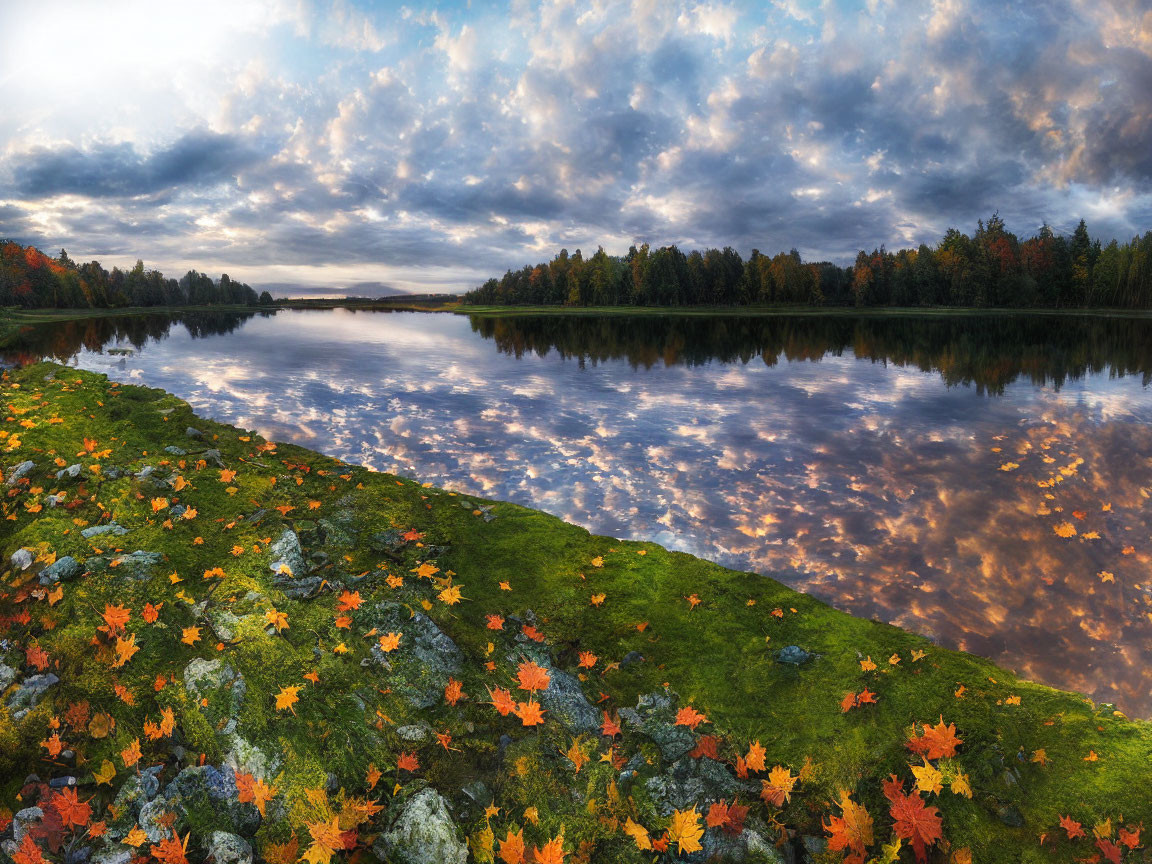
[(327, 147)]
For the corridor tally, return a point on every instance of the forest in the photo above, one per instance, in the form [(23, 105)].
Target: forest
[(33, 280), (993, 268)]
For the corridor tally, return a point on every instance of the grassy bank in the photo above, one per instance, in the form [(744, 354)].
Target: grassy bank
[(349, 675)]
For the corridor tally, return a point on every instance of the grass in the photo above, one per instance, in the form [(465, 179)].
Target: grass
[(1032, 754)]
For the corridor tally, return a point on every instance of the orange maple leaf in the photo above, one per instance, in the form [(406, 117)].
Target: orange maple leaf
[(533, 677)]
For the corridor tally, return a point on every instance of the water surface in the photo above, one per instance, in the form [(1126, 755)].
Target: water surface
[(916, 470)]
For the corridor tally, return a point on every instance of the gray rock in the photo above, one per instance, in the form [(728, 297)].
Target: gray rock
[(426, 658), (214, 457), (71, 472), (793, 655), (416, 733), (61, 570), (225, 848), (110, 528), (286, 552), (223, 622), (66, 782), (192, 432), (173, 450), (135, 793), (145, 472), (298, 589), (564, 700), (21, 559), (25, 819), (116, 855), (387, 541), (13, 474), (632, 657), (250, 759), (78, 856), (1010, 816), (7, 676), (54, 500), (422, 832), (137, 565), (203, 679), (699, 781), (655, 717), (27, 696)]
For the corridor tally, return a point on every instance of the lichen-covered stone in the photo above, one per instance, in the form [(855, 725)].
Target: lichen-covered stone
[(655, 717), (226, 848), (422, 832), (426, 658)]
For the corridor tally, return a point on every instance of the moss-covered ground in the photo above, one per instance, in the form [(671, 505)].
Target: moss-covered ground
[(710, 637)]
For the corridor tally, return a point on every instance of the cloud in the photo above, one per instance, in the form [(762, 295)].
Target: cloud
[(344, 136), (196, 159)]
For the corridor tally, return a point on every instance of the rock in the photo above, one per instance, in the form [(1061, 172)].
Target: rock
[(27, 696), (422, 832), (421, 666), (632, 657), (173, 450), (198, 786), (66, 782), (25, 819), (416, 733), (214, 457), (813, 845), (61, 570), (192, 432), (116, 855), (7, 676), (21, 559), (250, 759), (223, 622), (696, 781), (204, 679), (110, 528), (13, 474), (225, 848), (145, 472), (136, 792), (564, 700), (286, 552), (1010, 816), (177, 511), (55, 500), (78, 856), (137, 565), (654, 717), (71, 472), (391, 540), (793, 655)]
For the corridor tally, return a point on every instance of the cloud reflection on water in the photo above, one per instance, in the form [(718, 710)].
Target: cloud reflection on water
[(859, 477)]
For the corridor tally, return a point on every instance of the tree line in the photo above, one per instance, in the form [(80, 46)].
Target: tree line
[(31, 279), (991, 268)]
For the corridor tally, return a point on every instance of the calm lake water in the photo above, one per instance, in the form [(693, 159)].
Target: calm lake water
[(917, 470)]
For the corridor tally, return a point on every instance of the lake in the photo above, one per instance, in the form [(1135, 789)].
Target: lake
[(984, 481)]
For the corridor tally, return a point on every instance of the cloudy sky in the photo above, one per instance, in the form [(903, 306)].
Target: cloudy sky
[(329, 145)]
